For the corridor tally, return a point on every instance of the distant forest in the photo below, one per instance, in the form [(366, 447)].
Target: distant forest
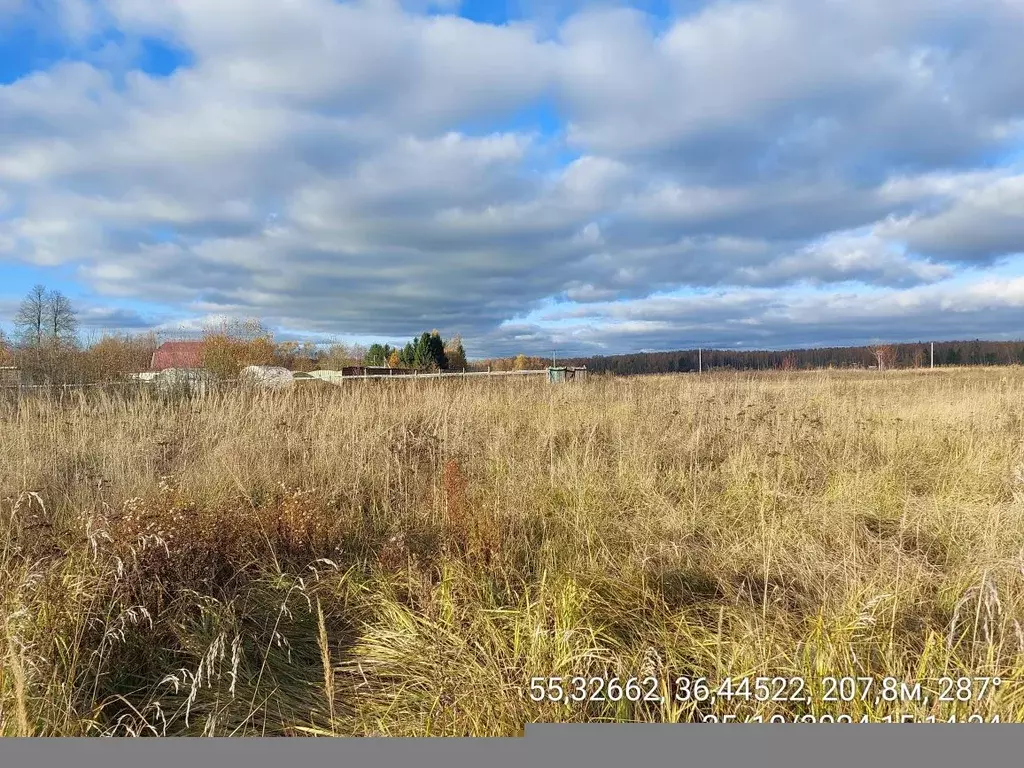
[(894, 355)]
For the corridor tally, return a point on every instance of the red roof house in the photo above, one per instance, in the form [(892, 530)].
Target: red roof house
[(178, 354)]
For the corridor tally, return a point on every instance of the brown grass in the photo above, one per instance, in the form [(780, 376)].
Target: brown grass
[(401, 558)]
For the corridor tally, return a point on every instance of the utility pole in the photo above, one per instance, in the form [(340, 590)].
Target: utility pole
[(933, 354), (700, 360)]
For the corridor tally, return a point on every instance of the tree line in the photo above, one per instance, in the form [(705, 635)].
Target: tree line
[(904, 355), (234, 344), (428, 351), (517, 363)]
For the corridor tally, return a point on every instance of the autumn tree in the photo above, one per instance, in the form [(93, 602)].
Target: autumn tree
[(231, 344), (295, 356), (307, 357), (219, 354), (339, 356), (258, 351), (394, 359), (455, 353), (116, 354)]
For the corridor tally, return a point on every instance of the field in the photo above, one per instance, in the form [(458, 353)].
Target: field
[(402, 558)]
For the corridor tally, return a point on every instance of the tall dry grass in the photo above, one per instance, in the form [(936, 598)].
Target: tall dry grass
[(401, 558)]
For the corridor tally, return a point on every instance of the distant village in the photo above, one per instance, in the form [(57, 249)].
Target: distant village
[(48, 348)]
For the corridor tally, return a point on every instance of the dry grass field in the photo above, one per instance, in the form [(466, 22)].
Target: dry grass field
[(401, 558)]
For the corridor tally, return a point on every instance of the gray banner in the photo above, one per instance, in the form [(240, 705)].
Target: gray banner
[(792, 746)]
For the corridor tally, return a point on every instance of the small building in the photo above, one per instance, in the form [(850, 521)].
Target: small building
[(193, 381), (10, 376), (373, 370), (559, 374), (319, 375), (178, 354)]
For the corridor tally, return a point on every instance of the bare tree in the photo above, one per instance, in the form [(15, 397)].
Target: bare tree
[(47, 334), (61, 321), (45, 316), (30, 322), (884, 356), (456, 353)]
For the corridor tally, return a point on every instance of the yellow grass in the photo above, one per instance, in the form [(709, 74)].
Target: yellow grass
[(402, 558)]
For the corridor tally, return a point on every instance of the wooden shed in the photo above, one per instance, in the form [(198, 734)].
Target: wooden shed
[(559, 374)]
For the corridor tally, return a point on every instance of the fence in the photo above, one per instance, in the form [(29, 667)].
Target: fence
[(299, 380), (433, 375)]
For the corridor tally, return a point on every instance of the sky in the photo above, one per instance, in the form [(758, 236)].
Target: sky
[(588, 177)]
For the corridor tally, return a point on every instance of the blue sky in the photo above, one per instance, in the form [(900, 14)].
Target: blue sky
[(592, 177)]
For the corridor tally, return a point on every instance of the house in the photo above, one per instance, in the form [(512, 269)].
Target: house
[(177, 354)]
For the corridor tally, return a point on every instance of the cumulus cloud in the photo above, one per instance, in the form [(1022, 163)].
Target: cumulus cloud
[(979, 220), (375, 167), (780, 85), (845, 256)]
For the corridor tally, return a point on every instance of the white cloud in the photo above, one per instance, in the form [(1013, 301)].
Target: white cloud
[(981, 218), (786, 80), (845, 256), (364, 167)]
